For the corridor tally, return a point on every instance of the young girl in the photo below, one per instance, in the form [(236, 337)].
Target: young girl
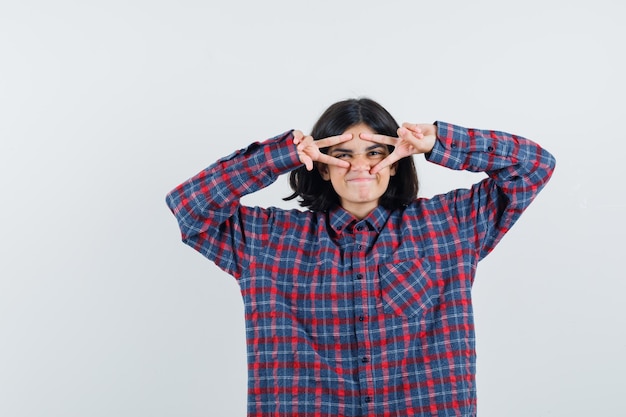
[(360, 305)]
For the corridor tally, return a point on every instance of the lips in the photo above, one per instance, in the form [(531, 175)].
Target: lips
[(361, 179)]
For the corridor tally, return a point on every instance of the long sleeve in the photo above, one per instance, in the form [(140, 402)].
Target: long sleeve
[(207, 207), (517, 170), (339, 312)]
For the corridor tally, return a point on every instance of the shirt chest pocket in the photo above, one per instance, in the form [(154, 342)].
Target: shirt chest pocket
[(407, 287)]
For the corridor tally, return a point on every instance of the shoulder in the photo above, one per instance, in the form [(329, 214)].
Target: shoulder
[(283, 219)]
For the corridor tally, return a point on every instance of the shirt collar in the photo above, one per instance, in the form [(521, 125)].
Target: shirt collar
[(340, 219)]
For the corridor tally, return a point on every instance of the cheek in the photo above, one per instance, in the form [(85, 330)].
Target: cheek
[(384, 182), (336, 172), (327, 172)]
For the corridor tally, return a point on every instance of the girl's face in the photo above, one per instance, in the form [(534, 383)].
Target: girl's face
[(359, 191)]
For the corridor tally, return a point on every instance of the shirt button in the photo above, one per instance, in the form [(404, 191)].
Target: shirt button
[(365, 359), (490, 148), (368, 399), (453, 145), (359, 228), (359, 247), (361, 318), (359, 276)]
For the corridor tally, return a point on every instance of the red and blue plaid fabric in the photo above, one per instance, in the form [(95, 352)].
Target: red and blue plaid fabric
[(360, 318)]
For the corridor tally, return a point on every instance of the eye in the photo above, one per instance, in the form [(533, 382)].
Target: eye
[(377, 154), (342, 155)]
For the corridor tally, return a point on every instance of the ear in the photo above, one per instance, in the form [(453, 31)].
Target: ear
[(392, 169), (323, 169)]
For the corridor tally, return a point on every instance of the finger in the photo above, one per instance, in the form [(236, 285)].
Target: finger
[(388, 161), (304, 142), (297, 136), (424, 128), (412, 127), (410, 132), (375, 137), (307, 161), (410, 136), (419, 143), (329, 160), (333, 140)]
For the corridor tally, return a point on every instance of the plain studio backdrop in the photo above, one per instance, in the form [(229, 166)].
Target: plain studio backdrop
[(105, 106)]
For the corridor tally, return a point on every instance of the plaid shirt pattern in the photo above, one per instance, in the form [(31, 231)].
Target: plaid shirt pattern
[(369, 317)]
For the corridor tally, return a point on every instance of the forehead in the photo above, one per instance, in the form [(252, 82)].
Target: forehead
[(359, 128), (356, 143)]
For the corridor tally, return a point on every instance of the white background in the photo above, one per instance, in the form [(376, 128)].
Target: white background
[(107, 105)]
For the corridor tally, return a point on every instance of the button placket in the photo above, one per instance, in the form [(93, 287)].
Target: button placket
[(361, 278)]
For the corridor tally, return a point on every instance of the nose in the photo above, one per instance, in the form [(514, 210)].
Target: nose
[(360, 162)]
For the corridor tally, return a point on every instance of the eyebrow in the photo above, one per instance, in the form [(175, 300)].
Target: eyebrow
[(369, 148)]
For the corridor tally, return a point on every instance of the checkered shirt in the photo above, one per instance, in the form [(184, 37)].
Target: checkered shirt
[(371, 317)]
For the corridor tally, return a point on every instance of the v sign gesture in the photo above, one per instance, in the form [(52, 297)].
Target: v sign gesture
[(309, 149), (412, 139)]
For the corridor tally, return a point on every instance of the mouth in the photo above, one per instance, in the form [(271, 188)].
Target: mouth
[(361, 179)]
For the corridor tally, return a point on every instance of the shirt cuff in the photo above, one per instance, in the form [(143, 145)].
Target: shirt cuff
[(282, 153), (448, 148), (278, 154), (460, 148)]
